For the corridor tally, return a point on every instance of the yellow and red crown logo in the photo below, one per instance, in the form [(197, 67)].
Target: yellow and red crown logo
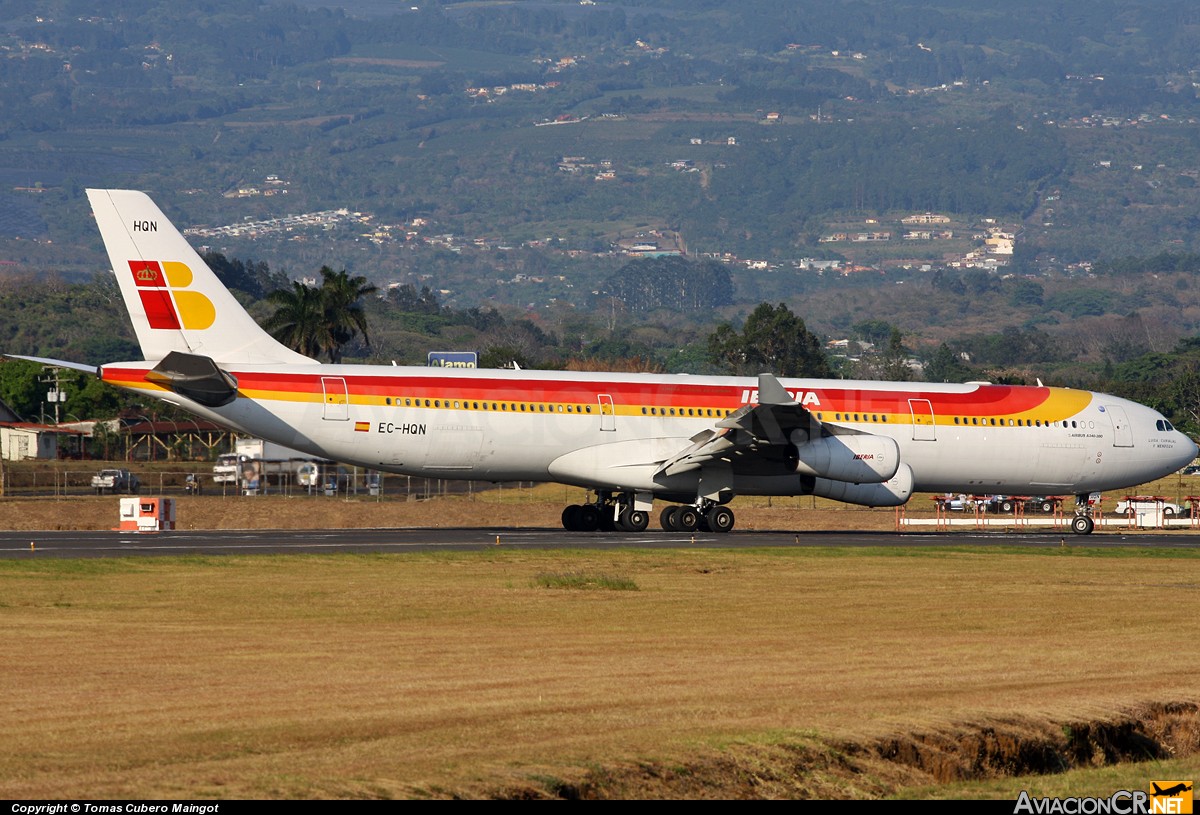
[(163, 288)]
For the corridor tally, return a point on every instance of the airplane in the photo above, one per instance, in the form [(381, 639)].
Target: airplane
[(692, 442), (1171, 791)]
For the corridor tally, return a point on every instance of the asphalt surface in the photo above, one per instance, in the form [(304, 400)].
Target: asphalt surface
[(64, 544)]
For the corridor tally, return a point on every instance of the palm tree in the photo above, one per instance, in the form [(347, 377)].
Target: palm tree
[(298, 318), (344, 317), (321, 320)]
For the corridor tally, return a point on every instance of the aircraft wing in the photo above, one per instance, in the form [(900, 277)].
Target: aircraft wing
[(776, 420), (780, 429)]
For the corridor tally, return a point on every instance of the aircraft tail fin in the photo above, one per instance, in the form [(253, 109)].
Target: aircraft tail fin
[(176, 303)]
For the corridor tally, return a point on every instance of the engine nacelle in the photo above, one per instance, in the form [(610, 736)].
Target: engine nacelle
[(860, 458), (891, 493)]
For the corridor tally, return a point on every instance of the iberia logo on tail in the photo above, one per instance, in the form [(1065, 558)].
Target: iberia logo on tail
[(166, 298)]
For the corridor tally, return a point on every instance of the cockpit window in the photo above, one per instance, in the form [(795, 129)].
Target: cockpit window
[(1163, 424)]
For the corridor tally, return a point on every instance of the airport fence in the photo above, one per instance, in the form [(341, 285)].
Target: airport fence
[(342, 481)]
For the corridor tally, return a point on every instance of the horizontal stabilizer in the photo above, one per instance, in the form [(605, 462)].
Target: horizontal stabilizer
[(196, 377), (58, 363)]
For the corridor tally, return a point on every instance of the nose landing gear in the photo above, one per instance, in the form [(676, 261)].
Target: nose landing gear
[(1083, 523)]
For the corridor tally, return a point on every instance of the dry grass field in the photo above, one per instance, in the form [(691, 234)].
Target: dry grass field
[(828, 673)]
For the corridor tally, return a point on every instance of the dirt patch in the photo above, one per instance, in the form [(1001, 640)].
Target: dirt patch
[(969, 752)]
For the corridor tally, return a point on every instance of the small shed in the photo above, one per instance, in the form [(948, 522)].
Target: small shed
[(22, 440)]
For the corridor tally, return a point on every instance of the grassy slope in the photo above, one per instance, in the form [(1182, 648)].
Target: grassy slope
[(438, 675)]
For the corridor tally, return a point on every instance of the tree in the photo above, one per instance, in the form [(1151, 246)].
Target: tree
[(773, 340), (323, 320), (671, 282), (297, 319), (947, 366), (344, 317)]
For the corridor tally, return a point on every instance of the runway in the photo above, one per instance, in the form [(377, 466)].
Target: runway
[(104, 544)]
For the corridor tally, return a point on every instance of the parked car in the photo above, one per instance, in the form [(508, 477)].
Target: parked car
[(1040, 503), (115, 481), (1007, 504), (1000, 503), (960, 502), (1149, 504)]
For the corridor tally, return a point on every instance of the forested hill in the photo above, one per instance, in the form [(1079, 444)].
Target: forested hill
[(992, 176)]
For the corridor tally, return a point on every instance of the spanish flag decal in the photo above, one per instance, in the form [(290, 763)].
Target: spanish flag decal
[(362, 427)]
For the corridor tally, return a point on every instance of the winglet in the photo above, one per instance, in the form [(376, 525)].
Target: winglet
[(770, 392)]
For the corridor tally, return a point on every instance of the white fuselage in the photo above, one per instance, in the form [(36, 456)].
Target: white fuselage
[(613, 431)]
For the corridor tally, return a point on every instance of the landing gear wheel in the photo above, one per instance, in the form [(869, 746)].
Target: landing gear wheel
[(570, 518), (1006, 506), (634, 520), (687, 519), (720, 519), (667, 519), (589, 518), (1082, 525)]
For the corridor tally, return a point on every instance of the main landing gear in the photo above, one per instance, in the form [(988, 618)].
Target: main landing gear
[(607, 514), (1083, 523), (690, 519), (611, 513)]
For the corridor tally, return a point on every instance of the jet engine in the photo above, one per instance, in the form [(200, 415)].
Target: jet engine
[(858, 458), (891, 493)]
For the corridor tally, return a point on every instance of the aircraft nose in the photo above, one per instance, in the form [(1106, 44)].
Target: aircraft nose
[(1187, 451)]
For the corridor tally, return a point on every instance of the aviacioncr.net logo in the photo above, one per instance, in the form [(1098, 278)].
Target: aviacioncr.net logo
[(1163, 798), (166, 298)]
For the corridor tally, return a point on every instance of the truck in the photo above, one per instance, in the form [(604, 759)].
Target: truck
[(254, 463), (116, 480)]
